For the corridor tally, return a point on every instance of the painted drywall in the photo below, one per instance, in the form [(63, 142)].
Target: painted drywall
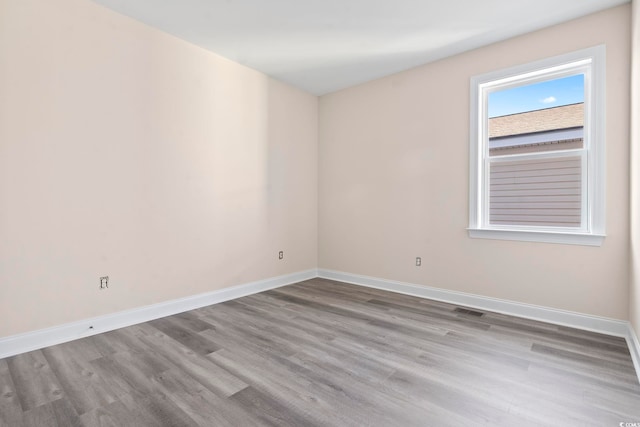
[(634, 291), (129, 153), (393, 174)]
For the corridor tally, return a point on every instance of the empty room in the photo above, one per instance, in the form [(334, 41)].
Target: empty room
[(330, 213)]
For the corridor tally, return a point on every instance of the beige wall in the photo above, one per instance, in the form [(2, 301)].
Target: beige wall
[(634, 292), (130, 153), (393, 171)]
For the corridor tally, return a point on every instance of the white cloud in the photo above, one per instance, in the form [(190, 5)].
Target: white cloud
[(549, 100)]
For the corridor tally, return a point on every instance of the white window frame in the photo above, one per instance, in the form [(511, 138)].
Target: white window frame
[(591, 62)]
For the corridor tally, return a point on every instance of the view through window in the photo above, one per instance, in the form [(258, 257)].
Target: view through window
[(525, 121)]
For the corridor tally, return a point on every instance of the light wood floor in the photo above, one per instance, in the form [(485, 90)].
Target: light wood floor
[(328, 354)]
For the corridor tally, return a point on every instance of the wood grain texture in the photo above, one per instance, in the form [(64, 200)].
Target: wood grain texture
[(324, 353)]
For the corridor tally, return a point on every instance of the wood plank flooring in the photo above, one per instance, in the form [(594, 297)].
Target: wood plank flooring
[(324, 353)]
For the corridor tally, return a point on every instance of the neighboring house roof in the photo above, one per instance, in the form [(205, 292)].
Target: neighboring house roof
[(548, 119)]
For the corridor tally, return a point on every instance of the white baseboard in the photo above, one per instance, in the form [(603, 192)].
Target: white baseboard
[(602, 325), (634, 348), (16, 344)]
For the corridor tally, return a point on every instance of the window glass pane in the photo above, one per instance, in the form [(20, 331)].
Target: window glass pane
[(540, 192), (544, 116)]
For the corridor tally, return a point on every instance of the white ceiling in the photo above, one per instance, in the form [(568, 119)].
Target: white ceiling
[(325, 45)]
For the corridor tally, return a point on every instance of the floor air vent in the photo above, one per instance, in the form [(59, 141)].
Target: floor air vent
[(469, 312)]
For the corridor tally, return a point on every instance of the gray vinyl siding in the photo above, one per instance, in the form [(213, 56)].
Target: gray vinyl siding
[(542, 192)]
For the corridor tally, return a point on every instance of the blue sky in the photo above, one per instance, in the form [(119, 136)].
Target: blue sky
[(552, 93)]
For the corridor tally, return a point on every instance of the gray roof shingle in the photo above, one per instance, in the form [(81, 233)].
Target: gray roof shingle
[(563, 117)]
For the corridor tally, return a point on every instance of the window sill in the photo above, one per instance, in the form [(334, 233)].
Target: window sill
[(538, 236)]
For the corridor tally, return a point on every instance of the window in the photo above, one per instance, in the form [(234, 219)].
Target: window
[(537, 151)]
